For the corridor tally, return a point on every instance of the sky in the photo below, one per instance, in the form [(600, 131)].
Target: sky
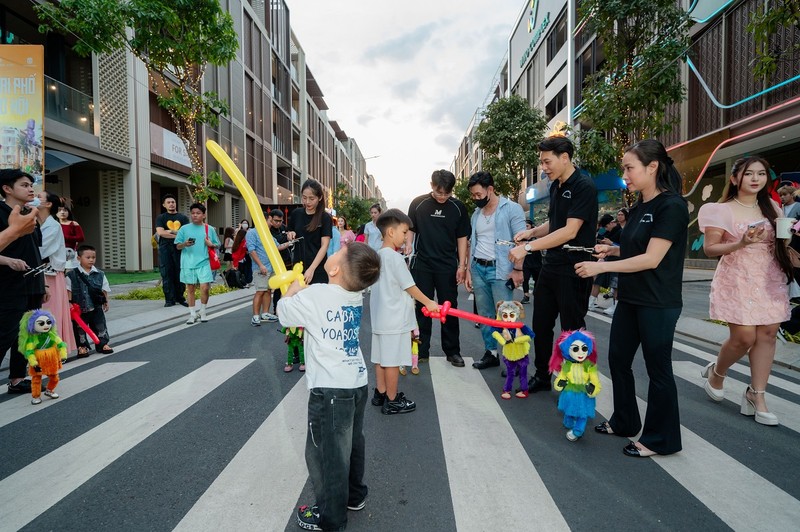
[(404, 78)]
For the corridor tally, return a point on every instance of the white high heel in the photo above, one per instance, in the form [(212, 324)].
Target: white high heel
[(749, 409), (713, 393)]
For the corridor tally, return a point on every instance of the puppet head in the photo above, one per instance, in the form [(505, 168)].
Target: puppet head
[(574, 346), (39, 322), (510, 311)]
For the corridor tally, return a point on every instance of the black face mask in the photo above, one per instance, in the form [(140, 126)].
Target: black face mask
[(481, 203)]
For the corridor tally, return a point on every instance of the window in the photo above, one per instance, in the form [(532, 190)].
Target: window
[(557, 37), (556, 104)]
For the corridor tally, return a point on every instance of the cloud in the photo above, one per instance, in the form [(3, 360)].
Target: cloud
[(364, 120), (447, 140), (404, 47), (405, 90)]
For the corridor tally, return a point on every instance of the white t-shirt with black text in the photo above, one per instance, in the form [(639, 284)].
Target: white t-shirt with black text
[(331, 317)]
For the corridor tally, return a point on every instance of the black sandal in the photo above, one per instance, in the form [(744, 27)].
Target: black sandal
[(106, 350), (83, 352)]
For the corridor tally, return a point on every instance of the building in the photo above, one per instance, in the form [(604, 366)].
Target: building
[(727, 113), (102, 110)]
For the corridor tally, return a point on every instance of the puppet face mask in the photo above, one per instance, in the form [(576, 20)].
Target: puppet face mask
[(578, 351), (42, 325), (509, 311)]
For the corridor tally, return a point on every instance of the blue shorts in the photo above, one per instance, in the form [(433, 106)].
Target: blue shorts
[(197, 275)]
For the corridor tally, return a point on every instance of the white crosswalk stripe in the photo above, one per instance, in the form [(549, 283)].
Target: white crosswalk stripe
[(82, 458)]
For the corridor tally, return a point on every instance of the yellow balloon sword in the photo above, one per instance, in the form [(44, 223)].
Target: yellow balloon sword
[(282, 278)]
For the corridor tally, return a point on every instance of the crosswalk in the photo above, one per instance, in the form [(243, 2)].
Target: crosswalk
[(505, 464)]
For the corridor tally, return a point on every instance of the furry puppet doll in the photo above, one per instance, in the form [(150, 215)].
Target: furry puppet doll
[(40, 344), (575, 361), (294, 342), (516, 346)]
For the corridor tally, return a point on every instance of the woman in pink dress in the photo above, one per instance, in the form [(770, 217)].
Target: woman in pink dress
[(750, 289), (345, 232)]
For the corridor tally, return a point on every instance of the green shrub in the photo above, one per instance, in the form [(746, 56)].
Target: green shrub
[(154, 293)]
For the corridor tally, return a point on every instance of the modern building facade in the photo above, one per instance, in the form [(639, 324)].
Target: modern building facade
[(103, 110), (728, 112)]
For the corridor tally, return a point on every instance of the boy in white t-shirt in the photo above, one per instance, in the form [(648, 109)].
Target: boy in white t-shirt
[(337, 379), (392, 314)]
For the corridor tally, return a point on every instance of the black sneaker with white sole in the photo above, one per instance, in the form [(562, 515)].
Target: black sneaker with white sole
[(357, 507), (400, 405)]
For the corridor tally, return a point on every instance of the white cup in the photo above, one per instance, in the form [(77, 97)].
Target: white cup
[(783, 227)]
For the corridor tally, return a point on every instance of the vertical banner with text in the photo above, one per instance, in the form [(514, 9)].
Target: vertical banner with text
[(22, 109)]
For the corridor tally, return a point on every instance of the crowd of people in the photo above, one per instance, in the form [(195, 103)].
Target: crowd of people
[(412, 263)]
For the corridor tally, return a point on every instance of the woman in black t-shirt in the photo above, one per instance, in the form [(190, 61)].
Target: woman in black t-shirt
[(651, 250), (315, 226)]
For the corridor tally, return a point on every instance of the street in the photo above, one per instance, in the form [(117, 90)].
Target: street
[(198, 428)]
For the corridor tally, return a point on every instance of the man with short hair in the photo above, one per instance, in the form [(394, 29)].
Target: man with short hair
[(20, 292), (571, 219), (791, 208), (262, 271), (169, 256), (278, 230), (194, 240), (439, 241), (491, 276)]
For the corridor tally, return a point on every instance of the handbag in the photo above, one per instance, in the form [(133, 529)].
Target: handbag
[(213, 258)]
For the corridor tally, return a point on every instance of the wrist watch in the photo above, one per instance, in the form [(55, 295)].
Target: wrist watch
[(527, 248)]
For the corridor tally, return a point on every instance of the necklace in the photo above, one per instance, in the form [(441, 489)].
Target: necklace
[(488, 218), (753, 206)]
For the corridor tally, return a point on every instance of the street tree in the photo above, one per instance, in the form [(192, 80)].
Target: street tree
[(509, 137), (630, 96), (176, 40), (354, 209), (770, 28)]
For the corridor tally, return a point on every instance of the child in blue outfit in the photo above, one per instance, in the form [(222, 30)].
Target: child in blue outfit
[(337, 380), (193, 241)]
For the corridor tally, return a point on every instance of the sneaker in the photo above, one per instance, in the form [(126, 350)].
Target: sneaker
[(255, 321), (357, 507), (51, 394), (192, 320), (595, 307), (610, 310), (269, 317), (378, 398), (400, 405), (203, 317), (525, 300), (23, 386), (36, 400), (308, 517)]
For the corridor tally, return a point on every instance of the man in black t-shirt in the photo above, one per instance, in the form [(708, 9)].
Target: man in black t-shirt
[(439, 240), (20, 292), (169, 256), (278, 231), (572, 219)]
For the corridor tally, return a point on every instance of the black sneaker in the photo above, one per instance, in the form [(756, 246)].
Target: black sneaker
[(378, 398), (488, 361), (23, 386), (525, 300), (400, 405), (357, 507), (308, 517)]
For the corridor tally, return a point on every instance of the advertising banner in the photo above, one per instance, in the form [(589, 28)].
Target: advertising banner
[(22, 109)]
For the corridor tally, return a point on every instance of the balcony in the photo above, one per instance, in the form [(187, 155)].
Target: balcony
[(69, 106)]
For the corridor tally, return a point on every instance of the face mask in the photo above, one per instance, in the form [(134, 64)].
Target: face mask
[(245, 226), (481, 203), (35, 202)]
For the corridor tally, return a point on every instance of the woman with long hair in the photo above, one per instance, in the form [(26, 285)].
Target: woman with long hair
[(346, 234), (651, 252), (73, 232), (750, 289), (54, 251), (227, 246), (240, 256), (315, 226)]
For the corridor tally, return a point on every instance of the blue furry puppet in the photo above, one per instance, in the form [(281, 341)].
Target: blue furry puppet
[(575, 360), (516, 345), (40, 344)]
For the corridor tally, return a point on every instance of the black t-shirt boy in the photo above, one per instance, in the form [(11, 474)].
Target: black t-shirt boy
[(574, 198), (437, 228), (16, 287), (665, 216)]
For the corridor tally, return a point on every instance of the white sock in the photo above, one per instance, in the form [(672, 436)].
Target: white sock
[(256, 316), (192, 312), (592, 300), (203, 307), (494, 352)]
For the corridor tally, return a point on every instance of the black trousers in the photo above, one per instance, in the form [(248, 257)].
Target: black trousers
[(96, 320), (443, 285), (563, 296), (169, 265), (654, 330), (9, 335)]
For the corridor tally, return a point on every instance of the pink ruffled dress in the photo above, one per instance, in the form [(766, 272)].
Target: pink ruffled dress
[(749, 287)]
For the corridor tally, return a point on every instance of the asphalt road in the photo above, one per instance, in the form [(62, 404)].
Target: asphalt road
[(199, 428)]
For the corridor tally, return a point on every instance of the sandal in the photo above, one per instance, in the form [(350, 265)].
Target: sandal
[(522, 394), (415, 371), (83, 352), (506, 395), (604, 428), (302, 367), (106, 350), (288, 368)]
